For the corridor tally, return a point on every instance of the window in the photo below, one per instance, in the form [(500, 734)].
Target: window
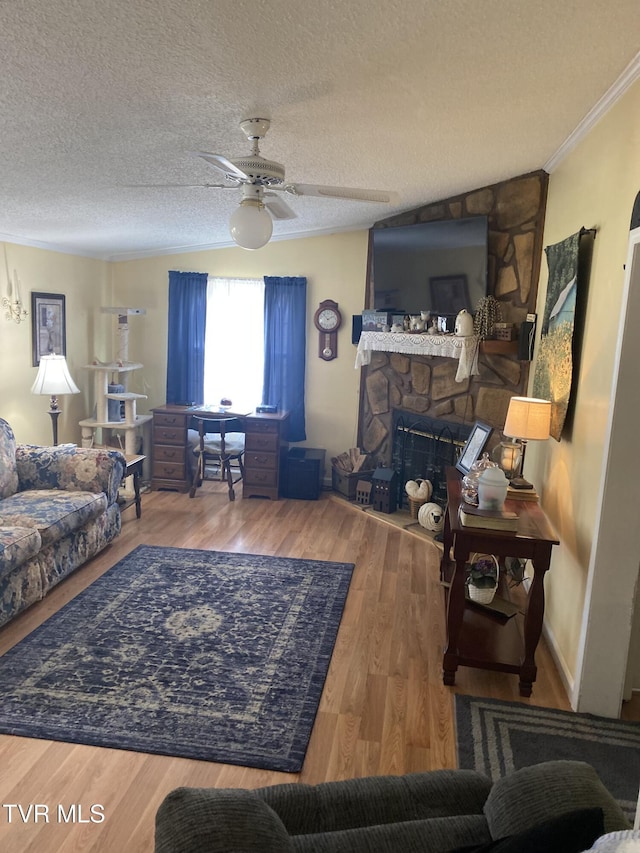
[(234, 342)]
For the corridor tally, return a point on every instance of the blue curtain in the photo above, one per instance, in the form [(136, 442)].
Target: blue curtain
[(285, 309), (185, 349)]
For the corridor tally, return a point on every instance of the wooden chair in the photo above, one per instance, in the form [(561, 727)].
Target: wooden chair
[(220, 441)]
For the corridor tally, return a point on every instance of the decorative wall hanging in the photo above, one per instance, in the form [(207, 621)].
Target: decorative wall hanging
[(48, 325), (12, 302), (555, 363)]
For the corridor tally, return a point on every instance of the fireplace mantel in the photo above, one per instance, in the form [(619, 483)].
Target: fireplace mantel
[(465, 349)]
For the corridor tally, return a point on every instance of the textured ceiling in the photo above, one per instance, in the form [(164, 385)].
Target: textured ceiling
[(426, 97)]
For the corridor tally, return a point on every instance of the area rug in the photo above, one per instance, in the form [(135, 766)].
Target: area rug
[(200, 654), (496, 738)]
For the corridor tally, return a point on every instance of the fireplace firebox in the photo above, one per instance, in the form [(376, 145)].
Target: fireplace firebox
[(423, 448)]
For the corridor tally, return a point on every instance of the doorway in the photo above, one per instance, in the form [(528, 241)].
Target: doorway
[(612, 588)]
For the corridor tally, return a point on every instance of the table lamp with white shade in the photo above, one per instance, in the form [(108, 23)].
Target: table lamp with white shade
[(528, 419), (54, 378)]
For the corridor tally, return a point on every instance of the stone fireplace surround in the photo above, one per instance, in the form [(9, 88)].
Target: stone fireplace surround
[(425, 385)]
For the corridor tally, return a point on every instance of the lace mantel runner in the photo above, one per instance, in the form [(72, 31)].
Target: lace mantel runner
[(450, 346)]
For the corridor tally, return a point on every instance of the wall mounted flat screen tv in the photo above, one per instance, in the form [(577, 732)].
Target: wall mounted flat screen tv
[(431, 266)]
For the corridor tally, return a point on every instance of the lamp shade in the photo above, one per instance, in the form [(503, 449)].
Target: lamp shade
[(528, 418), (53, 377), (250, 224)]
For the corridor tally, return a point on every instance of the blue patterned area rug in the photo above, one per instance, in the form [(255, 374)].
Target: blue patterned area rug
[(199, 654), (496, 738)]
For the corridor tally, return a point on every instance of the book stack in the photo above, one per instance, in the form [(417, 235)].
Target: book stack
[(501, 519), (522, 494)]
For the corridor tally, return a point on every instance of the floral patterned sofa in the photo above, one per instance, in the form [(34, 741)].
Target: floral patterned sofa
[(58, 508)]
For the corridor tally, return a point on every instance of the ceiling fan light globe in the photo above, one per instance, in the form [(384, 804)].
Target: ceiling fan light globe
[(250, 225)]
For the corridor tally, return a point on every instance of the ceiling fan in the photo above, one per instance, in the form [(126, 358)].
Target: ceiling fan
[(261, 179)]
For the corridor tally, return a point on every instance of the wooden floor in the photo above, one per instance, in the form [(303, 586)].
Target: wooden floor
[(384, 708)]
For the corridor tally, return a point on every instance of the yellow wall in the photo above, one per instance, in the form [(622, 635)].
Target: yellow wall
[(335, 268), (85, 284), (594, 186)]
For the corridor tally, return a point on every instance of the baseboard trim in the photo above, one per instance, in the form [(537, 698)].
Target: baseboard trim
[(566, 676)]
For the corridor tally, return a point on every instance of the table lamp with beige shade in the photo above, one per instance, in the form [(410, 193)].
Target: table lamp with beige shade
[(528, 419), (54, 379)]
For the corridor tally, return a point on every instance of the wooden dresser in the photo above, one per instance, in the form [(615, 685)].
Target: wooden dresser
[(265, 449), (169, 468)]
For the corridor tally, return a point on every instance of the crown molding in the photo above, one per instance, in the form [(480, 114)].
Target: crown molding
[(51, 247), (172, 250), (182, 250), (624, 82)]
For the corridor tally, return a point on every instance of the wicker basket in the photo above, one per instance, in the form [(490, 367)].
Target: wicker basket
[(415, 504), (484, 594), (481, 594)]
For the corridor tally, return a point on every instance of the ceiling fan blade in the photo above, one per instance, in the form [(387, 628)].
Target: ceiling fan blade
[(223, 165), (185, 186), (278, 208), (350, 193)]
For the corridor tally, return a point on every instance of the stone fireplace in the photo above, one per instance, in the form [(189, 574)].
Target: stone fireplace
[(423, 388)]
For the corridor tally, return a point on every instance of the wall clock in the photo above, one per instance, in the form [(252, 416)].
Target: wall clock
[(327, 320)]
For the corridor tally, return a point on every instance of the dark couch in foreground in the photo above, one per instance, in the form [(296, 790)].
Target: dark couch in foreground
[(559, 803)]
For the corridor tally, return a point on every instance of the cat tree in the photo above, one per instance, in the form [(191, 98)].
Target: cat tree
[(111, 417)]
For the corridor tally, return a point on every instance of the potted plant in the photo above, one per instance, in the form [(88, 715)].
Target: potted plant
[(482, 578), (488, 313)]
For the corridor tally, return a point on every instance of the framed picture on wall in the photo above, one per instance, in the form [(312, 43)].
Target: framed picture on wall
[(449, 293), (48, 325), (474, 446)]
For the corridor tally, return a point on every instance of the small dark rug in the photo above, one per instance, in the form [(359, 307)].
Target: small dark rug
[(496, 738), (200, 654)]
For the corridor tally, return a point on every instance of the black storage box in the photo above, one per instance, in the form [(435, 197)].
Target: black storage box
[(303, 473)]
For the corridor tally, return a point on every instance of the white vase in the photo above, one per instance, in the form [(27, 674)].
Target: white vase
[(492, 489), (464, 324)]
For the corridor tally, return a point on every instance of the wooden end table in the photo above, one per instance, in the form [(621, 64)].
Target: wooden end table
[(473, 638), (134, 469)]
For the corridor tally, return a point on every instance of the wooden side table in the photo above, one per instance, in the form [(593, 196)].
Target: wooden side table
[(134, 469), (474, 639)]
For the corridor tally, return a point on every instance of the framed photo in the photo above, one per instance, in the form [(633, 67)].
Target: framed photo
[(48, 325), (474, 446)]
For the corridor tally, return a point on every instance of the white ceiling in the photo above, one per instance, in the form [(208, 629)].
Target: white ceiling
[(426, 97)]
